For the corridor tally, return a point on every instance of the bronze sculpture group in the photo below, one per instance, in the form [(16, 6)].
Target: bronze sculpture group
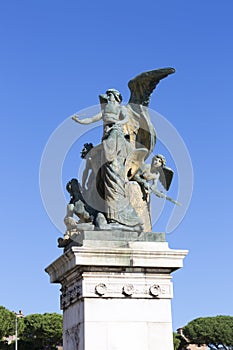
[(114, 193)]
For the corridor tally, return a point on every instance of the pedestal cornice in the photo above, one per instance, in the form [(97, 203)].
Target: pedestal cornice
[(104, 254)]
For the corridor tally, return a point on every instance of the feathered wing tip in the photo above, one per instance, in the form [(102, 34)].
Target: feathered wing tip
[(142, 86)]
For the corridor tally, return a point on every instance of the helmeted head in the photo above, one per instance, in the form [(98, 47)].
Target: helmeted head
[(116, 94), (86, 148)]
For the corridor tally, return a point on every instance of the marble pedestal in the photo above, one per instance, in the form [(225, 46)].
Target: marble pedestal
[(116, 291)]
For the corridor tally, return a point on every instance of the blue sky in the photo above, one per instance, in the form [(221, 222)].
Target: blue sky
[(56, 57)]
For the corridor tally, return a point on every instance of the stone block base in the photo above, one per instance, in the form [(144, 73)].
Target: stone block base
[(119, 324), (116, 291)]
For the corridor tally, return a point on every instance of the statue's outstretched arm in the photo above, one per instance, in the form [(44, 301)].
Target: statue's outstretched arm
[(93, 119)]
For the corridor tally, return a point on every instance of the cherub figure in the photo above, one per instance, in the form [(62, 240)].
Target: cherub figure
[(155, 172)]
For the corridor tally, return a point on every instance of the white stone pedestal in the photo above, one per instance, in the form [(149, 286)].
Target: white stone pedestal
[(116, 291)]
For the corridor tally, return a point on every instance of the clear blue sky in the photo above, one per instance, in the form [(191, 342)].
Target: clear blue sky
[(56, 57)]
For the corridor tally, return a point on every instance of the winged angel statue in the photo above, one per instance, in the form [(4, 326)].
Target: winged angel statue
[(116, 183)]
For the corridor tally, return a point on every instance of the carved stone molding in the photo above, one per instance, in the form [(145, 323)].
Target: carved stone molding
[(155, 290), (101, 289), (70, 295), (114, 288), (119, 289), (128, 289)]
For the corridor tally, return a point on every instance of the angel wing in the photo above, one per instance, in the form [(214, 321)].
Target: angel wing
[(143, 85), (166, 175), (140, 130)]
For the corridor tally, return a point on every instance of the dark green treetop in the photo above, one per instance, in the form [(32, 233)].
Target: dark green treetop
[(41, 331), (7, 322), (216, 332)]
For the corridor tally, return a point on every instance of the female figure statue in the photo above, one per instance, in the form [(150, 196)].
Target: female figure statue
[(111, 177)]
